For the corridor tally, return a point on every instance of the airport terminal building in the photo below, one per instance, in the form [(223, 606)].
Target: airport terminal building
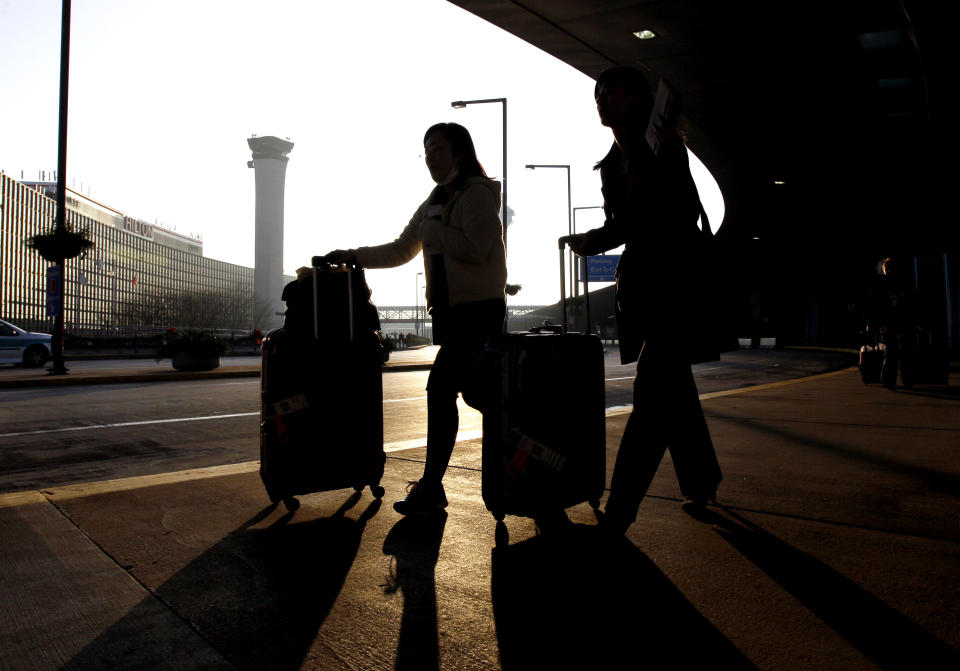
[(137, 278)]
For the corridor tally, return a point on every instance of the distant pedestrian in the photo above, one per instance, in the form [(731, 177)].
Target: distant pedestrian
[(890, 321), (459, 231), (651, 206)]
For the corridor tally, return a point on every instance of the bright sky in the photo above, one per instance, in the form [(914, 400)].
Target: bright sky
[(163, 96)]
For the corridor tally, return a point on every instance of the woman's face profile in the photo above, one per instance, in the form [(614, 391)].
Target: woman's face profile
[(438, 156), (614, 104)]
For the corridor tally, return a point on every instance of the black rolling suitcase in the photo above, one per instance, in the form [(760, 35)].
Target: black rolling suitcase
[(871, 362), (321, 399), (544, 429), (924, 359)]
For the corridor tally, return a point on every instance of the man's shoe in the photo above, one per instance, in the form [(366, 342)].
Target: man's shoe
[(421, 498), (696, 507), (614, 526)]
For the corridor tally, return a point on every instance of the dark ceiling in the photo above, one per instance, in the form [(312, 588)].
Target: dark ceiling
[(835, 98)]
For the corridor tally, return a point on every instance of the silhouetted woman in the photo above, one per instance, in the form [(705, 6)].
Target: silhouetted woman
[(459, 231), (651, 206)]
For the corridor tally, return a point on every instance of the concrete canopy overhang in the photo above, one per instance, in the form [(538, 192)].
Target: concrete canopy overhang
[(839, 101)]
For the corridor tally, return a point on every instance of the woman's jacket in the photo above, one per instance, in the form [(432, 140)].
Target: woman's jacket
[(466, 231)]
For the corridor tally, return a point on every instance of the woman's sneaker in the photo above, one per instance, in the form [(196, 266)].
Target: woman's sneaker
[(421, 498)]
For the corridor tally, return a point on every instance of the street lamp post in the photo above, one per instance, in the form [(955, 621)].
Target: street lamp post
[(574, 287), (586, 270), (416, 322), (588, 207), (460, 104), (56, 344)]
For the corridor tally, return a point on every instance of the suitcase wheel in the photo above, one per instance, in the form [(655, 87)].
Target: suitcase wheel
[(498, 515), (377, 491), (291, 503), (595, 504)]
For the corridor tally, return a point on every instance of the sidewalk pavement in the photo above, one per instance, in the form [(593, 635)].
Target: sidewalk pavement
[(108, 371), (835, 545)]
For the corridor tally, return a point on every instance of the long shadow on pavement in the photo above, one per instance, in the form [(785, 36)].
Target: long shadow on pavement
[(259, 596), (939, 479), (575, 601), (414, 542), (947, 393), (884, 635)]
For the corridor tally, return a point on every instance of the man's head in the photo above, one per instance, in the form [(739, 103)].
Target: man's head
[(623, 97)]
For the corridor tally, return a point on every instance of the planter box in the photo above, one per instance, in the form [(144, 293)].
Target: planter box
[(193, 361)]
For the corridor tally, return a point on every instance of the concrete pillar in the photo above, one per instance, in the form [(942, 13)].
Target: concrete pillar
[(270, 167)]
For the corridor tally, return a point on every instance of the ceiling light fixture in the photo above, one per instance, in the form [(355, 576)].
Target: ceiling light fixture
[(644, 34)]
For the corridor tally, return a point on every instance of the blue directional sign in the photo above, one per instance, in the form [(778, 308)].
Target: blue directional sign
[(601, 268)]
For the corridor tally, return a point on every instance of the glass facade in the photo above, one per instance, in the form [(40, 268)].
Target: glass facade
[(128, 282)]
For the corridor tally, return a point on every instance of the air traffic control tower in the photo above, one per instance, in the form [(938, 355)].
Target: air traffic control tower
[(270, 167)]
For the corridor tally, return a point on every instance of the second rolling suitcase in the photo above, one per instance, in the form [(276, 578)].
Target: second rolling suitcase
[(924, 360), (321, 394), (871, 361), (544, 429)]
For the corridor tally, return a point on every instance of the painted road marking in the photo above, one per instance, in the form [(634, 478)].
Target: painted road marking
[(630, 377), (624, 409), (126, 424), (774, 385), (124, 484), (81, 490), (120, 425), (21, 499)]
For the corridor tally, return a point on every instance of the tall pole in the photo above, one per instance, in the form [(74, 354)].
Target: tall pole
[(505, 213), (533, 166), (61, 221), (417, 320), (574, 229), (588, 207), (573, 280)]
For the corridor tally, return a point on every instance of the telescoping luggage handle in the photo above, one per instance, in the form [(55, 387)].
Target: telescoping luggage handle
[(318, 263), (562, 242)]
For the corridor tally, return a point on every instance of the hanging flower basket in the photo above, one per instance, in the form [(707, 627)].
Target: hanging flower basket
[(60, 244)]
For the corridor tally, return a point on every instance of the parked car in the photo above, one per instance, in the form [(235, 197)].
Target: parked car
[(22, 347)]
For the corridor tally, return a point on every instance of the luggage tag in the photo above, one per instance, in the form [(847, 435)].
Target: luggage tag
[(287, 405), (528, 448)]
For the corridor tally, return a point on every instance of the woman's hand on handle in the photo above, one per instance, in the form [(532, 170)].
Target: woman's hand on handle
[(341, 257), (576, 242)]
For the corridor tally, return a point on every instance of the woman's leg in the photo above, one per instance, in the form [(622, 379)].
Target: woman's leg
[(691, 448), (641, 448), (442, 423), (464, 331), (443, 418)]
